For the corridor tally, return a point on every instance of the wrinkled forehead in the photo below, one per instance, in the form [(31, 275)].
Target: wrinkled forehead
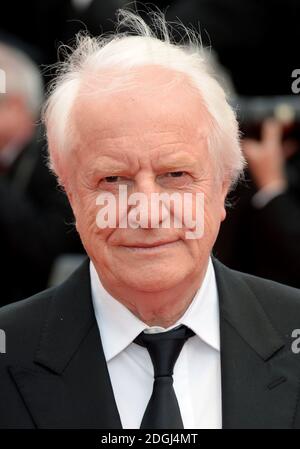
[(147, 97)]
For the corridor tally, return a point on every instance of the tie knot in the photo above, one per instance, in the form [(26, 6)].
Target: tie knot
[(164, 348)]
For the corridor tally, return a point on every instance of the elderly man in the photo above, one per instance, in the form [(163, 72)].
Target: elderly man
[(151, 331)]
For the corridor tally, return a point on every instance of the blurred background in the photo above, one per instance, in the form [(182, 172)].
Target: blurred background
[(254, 47)]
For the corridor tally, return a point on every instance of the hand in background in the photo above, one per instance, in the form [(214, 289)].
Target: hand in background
[(266, 158)]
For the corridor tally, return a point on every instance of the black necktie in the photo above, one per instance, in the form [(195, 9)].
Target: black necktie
[(163, 411)]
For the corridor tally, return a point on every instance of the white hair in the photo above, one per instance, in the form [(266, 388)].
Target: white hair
[(22, 77), (147, 46)]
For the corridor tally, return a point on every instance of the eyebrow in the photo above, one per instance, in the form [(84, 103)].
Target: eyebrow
[(176, 160), (114, 162), (106, 163)]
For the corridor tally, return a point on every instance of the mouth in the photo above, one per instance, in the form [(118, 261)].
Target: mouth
[(153, 247)]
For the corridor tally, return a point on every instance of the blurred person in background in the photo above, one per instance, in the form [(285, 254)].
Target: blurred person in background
[(262, 232), (274, 166), (34, 213)]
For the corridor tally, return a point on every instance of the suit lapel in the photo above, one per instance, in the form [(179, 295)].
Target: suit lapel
[(259, 380), (68, 384)]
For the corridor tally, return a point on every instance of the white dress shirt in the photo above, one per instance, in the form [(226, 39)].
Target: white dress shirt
[(197, 372)]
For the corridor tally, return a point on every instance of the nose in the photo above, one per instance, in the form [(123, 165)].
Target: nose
[(145, 210)]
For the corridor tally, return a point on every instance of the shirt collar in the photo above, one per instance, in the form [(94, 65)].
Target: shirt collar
[(118, 326)]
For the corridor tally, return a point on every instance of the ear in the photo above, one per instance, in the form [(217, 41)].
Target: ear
[(70, 196), (224, 191)]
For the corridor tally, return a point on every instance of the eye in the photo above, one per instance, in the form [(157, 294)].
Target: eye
[(111, 179), (173, 179), (113, 182), (175, 174)]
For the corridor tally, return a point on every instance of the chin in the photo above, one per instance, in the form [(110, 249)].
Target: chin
[(154, 280)]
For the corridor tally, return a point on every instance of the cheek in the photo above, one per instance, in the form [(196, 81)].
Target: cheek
[(85, 211), (209, 205), (198, 250), (213, 214)]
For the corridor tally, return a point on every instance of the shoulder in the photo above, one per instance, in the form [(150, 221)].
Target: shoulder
[(280, 302), (270, 291), (29, 309), (21, 322)]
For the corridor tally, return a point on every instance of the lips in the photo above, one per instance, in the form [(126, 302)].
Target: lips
[(149, 244)]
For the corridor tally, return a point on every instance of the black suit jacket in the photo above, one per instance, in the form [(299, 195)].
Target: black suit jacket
[(54, 374)]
